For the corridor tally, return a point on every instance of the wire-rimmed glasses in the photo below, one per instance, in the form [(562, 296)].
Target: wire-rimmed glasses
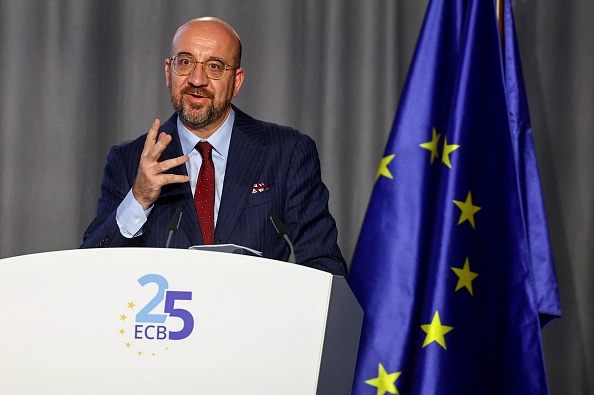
[(214, 68)]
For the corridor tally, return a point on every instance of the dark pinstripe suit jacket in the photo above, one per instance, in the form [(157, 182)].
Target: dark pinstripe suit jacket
[(285, 160)]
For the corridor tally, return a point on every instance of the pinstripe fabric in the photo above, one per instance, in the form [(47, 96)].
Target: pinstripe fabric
[(285, 160)]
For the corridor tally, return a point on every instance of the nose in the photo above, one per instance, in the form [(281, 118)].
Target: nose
[(198, 76)]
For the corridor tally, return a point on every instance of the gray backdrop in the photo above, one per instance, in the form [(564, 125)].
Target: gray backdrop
[(79, 76)]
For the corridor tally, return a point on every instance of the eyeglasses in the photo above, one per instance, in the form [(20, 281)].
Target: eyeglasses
[(214, 68)]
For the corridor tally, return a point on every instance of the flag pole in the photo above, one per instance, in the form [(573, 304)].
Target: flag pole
[(499, 6)]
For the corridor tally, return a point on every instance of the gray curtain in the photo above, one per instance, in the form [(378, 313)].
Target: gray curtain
[(79, 76)]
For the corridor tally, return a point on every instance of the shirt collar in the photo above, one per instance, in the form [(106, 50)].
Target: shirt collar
[(219, 140)]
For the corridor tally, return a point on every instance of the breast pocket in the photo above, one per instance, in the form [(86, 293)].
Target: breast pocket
[(259, 198)]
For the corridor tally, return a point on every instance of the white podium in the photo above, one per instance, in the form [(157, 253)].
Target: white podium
[(144, 321)]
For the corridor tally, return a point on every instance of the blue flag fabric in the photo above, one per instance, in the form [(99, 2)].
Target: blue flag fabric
[(453, 266), (541, 257)]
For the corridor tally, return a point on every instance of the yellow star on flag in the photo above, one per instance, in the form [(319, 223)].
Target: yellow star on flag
[(432, 145), (436, 332), (122, 331), (465, 277), (468, 210), (384, 382), (447, 150), (131, 305), (123, 317), (383, 167)]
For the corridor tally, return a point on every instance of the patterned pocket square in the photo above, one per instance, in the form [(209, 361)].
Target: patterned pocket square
[(259, 187)]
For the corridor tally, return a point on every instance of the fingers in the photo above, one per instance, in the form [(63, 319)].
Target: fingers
[(162, 167), (153, 146), (174, 179), (149, 143), (151, 175), (154, 153), (149, 181)]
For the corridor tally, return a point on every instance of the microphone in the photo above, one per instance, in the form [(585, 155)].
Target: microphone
[(174, 224), (282, 231)]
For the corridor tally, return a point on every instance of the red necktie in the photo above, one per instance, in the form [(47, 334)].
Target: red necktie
[(205, 192)]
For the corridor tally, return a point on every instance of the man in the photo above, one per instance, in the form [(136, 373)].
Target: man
[(259, 168)]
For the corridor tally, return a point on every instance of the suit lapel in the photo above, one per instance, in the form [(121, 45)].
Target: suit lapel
[(247, 155)]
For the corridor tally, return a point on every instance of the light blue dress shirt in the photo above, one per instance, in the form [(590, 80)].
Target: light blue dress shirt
[(130, 215)]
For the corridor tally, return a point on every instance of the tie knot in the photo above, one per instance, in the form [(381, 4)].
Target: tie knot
[(205, 150)]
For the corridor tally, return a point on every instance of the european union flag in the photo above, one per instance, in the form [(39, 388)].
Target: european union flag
[(453, 266)]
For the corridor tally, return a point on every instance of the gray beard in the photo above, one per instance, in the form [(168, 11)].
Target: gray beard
[(213, 113)]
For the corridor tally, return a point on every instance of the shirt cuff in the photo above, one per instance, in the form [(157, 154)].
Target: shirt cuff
[(131, 217)]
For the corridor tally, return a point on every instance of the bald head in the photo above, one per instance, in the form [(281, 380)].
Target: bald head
[(209, 29), (202, 100)]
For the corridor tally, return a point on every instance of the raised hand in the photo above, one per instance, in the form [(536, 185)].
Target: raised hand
[(151, 175)]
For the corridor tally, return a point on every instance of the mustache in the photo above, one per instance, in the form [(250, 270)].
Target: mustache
[(197, 91)]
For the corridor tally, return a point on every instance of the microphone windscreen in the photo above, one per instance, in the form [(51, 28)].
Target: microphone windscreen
[(175, 220), (278, 224)]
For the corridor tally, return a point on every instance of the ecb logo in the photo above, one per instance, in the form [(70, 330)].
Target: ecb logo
[(151, 323)]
